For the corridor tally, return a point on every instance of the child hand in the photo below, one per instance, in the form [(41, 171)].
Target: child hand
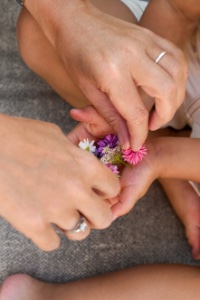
[(134, 182), (91, 126)]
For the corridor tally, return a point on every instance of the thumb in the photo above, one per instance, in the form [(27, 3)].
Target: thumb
[(135, 183)]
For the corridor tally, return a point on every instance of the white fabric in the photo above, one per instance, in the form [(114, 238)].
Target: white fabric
[(137, 7)]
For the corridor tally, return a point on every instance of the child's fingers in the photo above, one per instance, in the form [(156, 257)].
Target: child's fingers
[(92, 121), (135, 183), (87, 114), (78, 134), (112, 201)]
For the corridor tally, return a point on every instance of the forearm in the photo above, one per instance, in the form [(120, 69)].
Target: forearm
[(177, 158), (47, 14), (175, 20)]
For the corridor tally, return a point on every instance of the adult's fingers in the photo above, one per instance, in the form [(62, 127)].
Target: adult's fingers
[(174, 64), (104, 181), (45, 237), (92, 207), (125, 96), (102, 103), (40, 232), (94, 124), (166, 88), (132, 125), (75, 226)]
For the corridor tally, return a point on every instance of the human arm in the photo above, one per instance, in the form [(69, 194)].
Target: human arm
[(84, 39), (45, 180), (168, 157), (175, 20)]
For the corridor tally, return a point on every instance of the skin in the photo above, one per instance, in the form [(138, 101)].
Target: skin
[(159, 280), (134, 47), (44, 170), (161, 162), (184, 16), (51, 51)]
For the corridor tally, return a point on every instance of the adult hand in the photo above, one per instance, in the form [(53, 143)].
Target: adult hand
[(160, 162), (45, 180), (134, 181), (108, 59)]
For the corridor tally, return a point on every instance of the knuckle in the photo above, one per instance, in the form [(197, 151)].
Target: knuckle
[(116, 188), (34, 223), (140, 115), (180, 55), (111, 116), (106, 223), (181, 66), (48, 245), (111, 120), (111, 74), (179, 71), (104, 220), (47, 242), (113, 71), (170, 89), (167, 115)]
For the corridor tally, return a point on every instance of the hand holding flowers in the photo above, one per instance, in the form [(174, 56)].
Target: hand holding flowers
[(168, 157), (134, 181), (109, 152)]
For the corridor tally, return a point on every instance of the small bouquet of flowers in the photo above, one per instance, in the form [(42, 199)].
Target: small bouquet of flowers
[(109, 152)]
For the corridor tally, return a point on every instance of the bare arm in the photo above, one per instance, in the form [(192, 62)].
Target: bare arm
[(84, 38), (174, 20), (168, 157), (177, 158), (43, 181)]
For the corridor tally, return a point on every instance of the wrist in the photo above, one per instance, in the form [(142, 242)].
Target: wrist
[(49, 14), (156, 148)]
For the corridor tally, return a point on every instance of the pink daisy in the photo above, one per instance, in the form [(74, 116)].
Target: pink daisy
[(134, 157)]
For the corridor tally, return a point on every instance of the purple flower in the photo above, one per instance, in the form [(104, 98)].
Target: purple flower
[(110, 140), (113, 168)]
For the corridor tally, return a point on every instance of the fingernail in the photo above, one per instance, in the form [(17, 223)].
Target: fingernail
[(135, 149), (138, 148), (126, 146)]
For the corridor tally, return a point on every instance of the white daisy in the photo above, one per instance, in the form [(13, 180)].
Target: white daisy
[(87, 145)]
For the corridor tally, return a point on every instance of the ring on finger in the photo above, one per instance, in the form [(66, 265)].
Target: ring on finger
[(81, 226), (158, 58)]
